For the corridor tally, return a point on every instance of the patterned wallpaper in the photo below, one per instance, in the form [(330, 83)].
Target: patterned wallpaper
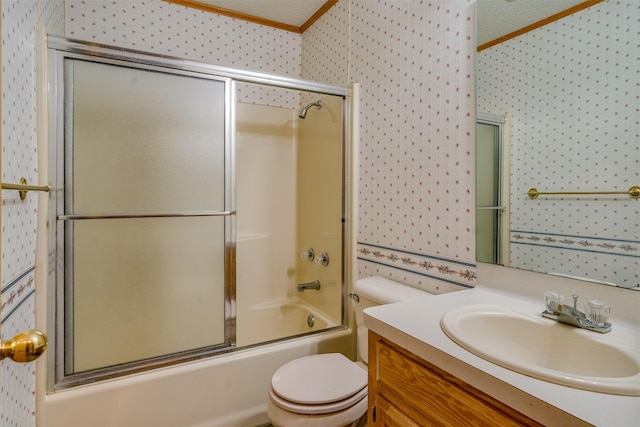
[(19, 159), (19, 148), (572, 90), (325, 47), (415, 66), (168, 29), (414, 61)]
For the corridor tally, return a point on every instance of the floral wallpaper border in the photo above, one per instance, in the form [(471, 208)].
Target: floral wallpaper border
[(447, 270), (579, 243), (16, 292)]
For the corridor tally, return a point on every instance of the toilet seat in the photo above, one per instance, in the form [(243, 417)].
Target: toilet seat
[(318, 384), (317, 409)]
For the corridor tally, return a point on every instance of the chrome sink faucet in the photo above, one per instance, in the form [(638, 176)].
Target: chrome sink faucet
[(595, 319), (311, 285)]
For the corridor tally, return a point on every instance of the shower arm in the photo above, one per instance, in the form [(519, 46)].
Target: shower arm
[(303, 113)]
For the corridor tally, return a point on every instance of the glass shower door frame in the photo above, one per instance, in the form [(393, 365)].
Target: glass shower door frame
[(61, 228), (61, 48), (500, 208)]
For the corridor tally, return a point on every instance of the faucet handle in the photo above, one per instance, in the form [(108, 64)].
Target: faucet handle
[(553, 300), (597, 312)]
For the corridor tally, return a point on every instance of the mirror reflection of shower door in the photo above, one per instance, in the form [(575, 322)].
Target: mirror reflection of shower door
[(489, 194), (145, 217)]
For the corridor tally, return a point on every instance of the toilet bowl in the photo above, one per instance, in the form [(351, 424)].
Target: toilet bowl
[(329, 390), (319, 390)]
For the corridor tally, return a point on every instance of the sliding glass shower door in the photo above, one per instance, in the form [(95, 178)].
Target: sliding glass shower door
[(182, 197), (145, 215), (492, 187)]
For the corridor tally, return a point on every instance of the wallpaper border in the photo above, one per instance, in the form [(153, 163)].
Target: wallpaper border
[(629, 248), (456, 272), (17, 292)]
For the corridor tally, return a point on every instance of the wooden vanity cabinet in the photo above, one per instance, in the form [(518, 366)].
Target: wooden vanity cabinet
[(406, 391)]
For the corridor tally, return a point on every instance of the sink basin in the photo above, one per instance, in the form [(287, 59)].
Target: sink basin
[(544, 349)]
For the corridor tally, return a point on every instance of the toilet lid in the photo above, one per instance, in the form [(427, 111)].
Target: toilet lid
[(326, 408), (319, 379)]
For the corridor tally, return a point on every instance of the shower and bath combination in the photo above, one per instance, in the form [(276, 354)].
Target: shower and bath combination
[(245, 299), (303, 113)]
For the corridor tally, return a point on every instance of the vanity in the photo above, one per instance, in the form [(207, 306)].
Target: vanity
[(419, 376), (404, 387)]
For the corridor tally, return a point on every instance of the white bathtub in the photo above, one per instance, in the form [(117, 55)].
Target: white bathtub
[(223, 391), (277, 319)]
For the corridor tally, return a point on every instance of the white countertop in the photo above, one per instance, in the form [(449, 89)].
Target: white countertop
[(415, 326)]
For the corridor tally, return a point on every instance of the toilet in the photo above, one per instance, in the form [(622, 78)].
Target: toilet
[(329, 390)]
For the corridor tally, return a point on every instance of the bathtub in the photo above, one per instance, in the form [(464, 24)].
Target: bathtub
[(278, 319), (228, 390)]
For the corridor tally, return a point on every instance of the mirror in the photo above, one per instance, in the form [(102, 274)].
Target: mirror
[(566, 99)]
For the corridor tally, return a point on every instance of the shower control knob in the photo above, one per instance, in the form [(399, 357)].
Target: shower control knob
[(309, 254), (323, 259)]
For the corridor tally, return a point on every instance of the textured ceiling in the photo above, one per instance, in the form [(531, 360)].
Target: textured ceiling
[(495, 17), (291, 12), (499, 17)]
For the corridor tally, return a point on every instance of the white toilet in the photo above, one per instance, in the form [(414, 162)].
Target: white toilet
[(329, 390)]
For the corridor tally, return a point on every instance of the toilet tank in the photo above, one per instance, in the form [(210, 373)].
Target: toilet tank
[(373, 291)]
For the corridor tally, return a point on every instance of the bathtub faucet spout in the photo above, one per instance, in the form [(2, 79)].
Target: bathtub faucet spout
[(311, 285)]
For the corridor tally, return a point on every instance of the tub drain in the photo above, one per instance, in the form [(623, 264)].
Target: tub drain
[(311, 320)]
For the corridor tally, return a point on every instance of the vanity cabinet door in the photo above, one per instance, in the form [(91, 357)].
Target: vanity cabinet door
[(405, 390), (389, 415)]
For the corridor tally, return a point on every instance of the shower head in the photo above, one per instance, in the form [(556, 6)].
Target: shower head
[(303, 113)]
